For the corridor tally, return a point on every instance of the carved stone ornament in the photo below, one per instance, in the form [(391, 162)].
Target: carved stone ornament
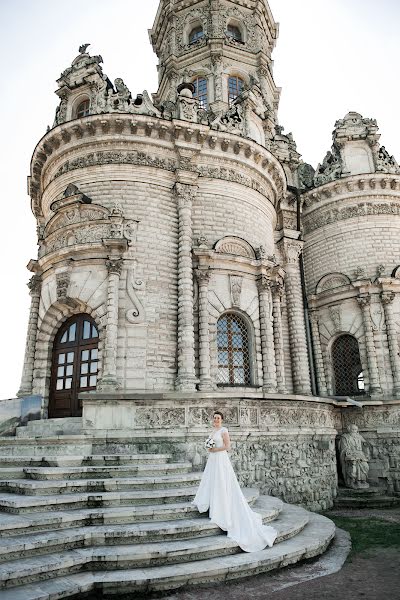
[(136, 314), (114, 266), (363, 209), (35, 284), (292, 251), (387, 297), (203, 276), (335, 313), (118, 158), (236, 283), (62, 284), (332, 281), (185, 193), (354, 462), (360, 273), (364, 301), (236, 246), (386, 163)]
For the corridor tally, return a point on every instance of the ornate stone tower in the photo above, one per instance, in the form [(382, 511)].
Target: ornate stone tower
[(351, 225), (224, 48)]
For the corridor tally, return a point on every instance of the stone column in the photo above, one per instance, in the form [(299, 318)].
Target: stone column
[(277, 292), (295, 308), (267, 335), (364, 301), (108, 380), (186, 378), (387, 301), (35, 286), (203, 278), (319, 361)]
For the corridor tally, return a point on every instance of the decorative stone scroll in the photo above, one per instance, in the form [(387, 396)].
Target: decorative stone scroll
[(236, 246)]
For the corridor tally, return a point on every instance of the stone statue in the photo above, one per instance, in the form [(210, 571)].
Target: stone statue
[(354, 462)]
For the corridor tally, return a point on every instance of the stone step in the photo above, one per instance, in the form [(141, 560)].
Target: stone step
[(107, 460), (361, 493), (157, 476), (23, 543), (108, 472), (144, 489), (354, 502), (46, 427), (136, 556), (309, 542)]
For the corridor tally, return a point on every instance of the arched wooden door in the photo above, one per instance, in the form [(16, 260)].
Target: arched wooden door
[(74, 365)]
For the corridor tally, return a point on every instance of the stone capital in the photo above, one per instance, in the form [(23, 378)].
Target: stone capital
[(203, 276), (185, 193), (264, 283), (114, 266), (387, 297), (34, 284), (364, 300), (291, 251)]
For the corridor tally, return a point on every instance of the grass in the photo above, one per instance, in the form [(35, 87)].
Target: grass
[(368, 534)]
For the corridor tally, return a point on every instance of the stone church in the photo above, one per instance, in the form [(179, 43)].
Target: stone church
[(189, 260)]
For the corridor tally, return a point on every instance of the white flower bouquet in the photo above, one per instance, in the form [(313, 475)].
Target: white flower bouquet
[(209, 443)]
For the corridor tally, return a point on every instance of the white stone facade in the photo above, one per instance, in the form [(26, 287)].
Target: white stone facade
[(158, 216)]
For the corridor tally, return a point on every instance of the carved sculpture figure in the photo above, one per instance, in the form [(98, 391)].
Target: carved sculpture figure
[(353, 460)]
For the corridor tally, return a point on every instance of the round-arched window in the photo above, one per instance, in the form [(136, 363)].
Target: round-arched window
[(234, 32), (83, 109), (233, 351), (201, 91), (235, 87), (196, 34), (347, 368)]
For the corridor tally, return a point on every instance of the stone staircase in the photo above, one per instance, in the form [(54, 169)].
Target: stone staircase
[(118, 525), (372, 497)]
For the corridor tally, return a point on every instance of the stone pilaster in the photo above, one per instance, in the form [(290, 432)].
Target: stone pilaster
[(387, 301), (267, 335), (186, 378), (35, 286), (297, 330), (364, 302), (203, 278), (108, 380), (277, 293), (319, 361)]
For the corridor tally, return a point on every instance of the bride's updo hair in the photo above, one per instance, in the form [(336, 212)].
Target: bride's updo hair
[(216, 412)]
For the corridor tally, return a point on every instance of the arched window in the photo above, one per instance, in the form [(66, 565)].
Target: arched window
[(74, 365), (200, 91), (234, 32), (235, 87), (233, 351), (83, 109), (196, 34), (347, 369)]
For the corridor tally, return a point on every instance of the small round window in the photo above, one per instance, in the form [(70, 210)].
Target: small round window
[(83, 109)]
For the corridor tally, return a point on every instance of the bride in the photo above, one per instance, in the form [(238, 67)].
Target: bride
[(220, 493)]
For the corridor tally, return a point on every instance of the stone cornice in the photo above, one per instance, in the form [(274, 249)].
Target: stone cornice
[(357, 186), (125, 130)]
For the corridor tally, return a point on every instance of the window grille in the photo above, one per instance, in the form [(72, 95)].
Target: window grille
[(83, 109), (233, 351), (348, 373), (196, 34), (200, 92), (235, 87)]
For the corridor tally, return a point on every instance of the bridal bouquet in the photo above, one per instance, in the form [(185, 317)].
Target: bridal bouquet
[(209, 443)]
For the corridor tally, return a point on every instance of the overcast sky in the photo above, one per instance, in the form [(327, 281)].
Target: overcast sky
[(333, 56)]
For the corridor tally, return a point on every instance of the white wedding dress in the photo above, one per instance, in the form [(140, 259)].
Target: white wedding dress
[(220, 493)]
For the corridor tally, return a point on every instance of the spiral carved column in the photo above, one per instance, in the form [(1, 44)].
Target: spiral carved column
[(364, 302), (267, 335), (203, 278), (387, 301), (35, 286)]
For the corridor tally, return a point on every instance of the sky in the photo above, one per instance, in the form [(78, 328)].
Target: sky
[(332, 56)]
